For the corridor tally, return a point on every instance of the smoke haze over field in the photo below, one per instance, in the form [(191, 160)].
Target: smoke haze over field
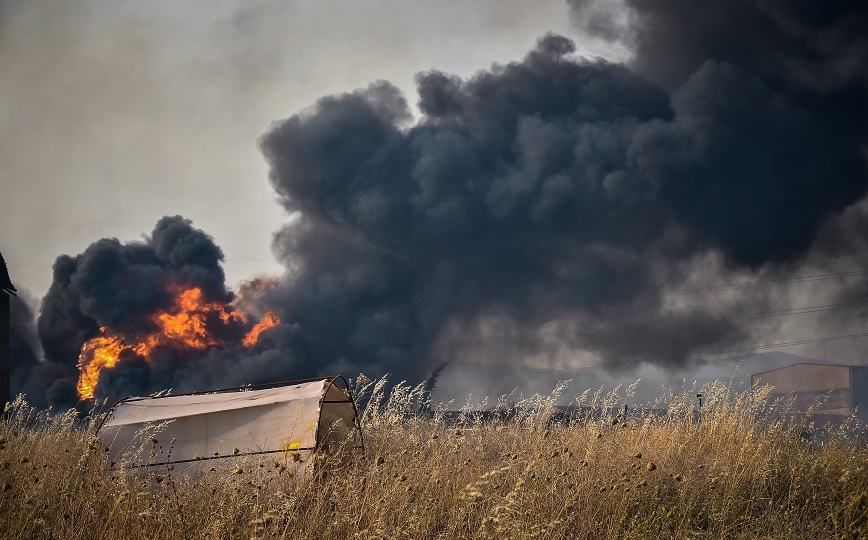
[(536, 213)]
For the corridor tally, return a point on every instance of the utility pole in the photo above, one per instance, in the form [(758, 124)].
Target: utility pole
[(6, 290)]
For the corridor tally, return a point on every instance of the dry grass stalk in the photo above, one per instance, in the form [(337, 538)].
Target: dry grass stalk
[(739, 471)]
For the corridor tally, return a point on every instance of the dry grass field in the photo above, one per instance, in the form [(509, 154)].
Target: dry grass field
[(732, 471)]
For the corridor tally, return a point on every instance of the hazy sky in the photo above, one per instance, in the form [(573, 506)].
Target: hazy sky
[(116, 113), (538, 215)]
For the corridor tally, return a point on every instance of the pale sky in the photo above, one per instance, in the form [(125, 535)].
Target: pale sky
[(114, 113)]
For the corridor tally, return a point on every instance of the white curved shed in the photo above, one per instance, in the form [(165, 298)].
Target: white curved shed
[(294, 419)]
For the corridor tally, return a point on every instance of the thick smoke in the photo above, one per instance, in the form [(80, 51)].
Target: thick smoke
[(563, 193), (120, 286), (535, 209), (769, 137), (45, 384), (786, 169)]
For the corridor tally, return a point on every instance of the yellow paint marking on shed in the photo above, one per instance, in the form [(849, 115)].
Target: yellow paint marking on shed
[(291, 446)]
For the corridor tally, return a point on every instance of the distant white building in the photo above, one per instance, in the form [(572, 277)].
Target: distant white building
[(844, 387)]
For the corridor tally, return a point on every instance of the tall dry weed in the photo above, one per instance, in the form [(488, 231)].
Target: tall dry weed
[(739, 467)]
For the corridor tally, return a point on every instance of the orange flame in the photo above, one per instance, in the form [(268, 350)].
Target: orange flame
[(98, 353), (267, 322), (184, 326)]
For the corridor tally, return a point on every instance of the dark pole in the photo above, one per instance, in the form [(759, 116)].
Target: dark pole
[(6, 290), (4, 350)]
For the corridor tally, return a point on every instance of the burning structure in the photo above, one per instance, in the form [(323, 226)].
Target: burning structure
[(187, 324), (133, 315)]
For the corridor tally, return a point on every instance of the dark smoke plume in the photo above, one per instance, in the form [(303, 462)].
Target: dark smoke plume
[(119, 286), (558, 189), (114, 284), (537, 205), (770, 99), (45, 384)]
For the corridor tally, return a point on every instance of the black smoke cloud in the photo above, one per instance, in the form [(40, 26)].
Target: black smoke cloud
[(556, 188), (119, 286), (45, 384), (771, 100), (803, 47), (548, 200)]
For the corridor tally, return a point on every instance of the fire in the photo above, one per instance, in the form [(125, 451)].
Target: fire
[(253, 336), (187, 326), (184, 326), (100, 352)]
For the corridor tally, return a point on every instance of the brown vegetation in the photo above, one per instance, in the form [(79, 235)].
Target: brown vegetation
[(731, 472)]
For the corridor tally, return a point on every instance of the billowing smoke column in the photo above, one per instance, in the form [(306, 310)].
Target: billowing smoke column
[(548, 199), (134, 318), (44, 383), (548, 194)]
